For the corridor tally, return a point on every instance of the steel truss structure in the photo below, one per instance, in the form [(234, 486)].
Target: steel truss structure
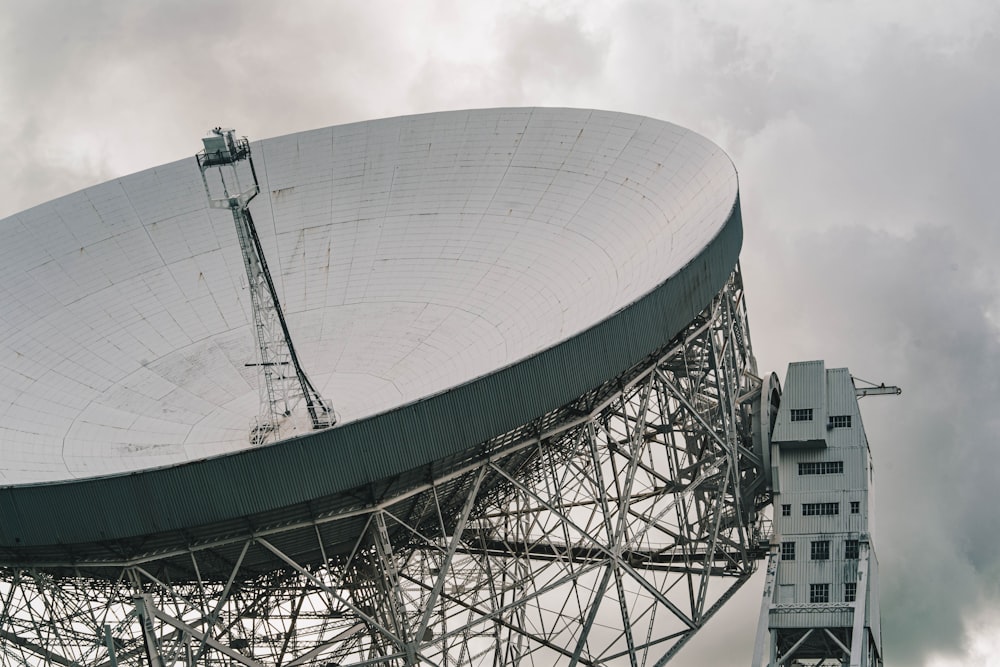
[(607, 532)]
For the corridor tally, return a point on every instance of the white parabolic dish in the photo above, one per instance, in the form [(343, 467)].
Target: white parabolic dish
[(412, 255)]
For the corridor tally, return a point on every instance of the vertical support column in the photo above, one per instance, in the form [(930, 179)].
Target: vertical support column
[(393, 603), (859, 638), (454, 542), (764, 637), (109, 641), (144, 610)]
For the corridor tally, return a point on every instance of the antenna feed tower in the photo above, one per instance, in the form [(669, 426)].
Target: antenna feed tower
[(230, 179)]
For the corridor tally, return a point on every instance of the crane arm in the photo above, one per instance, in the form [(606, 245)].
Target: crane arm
[(871, 389)]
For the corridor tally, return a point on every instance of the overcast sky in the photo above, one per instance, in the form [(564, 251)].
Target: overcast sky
[(865, 134)]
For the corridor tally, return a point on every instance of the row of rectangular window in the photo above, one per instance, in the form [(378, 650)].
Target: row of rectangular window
[(834, 421), (821, 468), (821, 509), (820, 550), (819, 593)]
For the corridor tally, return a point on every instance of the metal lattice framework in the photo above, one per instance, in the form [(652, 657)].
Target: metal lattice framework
[(610, 535)]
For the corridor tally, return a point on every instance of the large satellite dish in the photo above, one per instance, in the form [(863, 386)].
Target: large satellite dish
[(442, 275), (455, 283)]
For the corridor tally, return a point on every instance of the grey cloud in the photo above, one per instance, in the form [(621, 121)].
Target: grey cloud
[(540, 50), (541, 60)]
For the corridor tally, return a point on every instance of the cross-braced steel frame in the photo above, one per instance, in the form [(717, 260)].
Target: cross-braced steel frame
[(608, 533)]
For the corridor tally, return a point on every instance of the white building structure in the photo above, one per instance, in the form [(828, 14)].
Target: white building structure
[(821, 602)]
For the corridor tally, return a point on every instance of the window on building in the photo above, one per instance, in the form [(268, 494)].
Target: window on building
[(821, 468), (802, 414), (840, 421), (820, 509), (819, 593), (851, 549), (850, 591), (820, 550), (786, 510), (855, 507), (788, 551)]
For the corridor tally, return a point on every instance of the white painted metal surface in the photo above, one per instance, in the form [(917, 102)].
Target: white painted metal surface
[(413, 254)]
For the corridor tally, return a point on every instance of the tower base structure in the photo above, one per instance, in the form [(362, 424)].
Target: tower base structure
[(821, 602), (606, 532)]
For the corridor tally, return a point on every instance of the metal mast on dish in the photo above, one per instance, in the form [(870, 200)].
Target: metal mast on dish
[(280, 391)]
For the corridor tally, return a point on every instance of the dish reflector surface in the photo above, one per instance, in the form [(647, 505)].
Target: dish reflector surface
[(412, 256)]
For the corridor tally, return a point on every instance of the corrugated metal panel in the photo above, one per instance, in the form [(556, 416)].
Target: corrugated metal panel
[(804, 389), (797, 524), (816, 619), (873, 617), (795, 578), (854, 475), (803, 570), (849, 442), (843, 402), (840, 393)]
